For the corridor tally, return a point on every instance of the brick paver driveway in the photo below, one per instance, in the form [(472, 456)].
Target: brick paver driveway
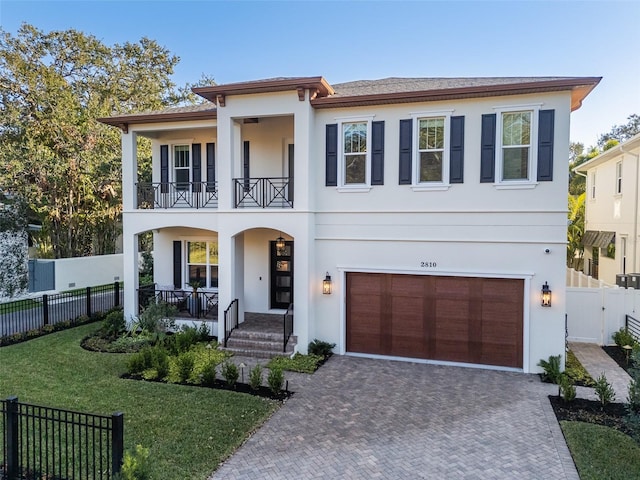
[(361, 418)]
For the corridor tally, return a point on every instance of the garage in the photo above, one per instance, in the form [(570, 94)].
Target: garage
[(457, 319)]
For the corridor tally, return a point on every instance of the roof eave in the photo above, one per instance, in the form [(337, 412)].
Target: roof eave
[(124, 121), (580, 87), (265, 86)]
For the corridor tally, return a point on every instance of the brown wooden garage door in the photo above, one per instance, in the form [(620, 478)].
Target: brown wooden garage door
[(458, 319)]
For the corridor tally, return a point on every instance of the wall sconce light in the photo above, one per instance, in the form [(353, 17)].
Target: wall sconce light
[(326, 285), (546, 295), (279, 243)]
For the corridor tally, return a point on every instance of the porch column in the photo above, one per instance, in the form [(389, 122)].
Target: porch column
[(129, 170), (306, 283), (226, 277), (303, 127), (130, 272)]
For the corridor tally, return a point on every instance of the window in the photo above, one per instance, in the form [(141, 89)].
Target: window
[(430, 162), (355, 153), (516, 146), (202, 263), (593, 185), (181, 166), (610, 250), (619, 178)]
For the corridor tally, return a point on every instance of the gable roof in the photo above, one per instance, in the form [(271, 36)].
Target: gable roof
[(385, 91)]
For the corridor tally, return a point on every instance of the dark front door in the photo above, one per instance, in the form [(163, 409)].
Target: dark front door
[(281, 275)]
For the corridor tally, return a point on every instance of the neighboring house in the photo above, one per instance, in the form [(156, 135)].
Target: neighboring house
[(611, 212), (437, 207)]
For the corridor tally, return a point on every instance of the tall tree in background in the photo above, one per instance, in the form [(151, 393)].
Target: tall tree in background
[(53, 152), (621, 133)]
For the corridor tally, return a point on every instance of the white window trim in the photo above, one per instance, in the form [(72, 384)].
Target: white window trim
[(172, 156), (443, 185), (185, 260), (592, 186), (618, 186), (354, 187), (530, 182)]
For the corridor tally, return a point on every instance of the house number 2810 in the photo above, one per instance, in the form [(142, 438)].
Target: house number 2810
[(428, 264)]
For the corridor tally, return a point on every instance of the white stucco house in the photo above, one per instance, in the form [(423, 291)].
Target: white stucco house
[(435, 209), (611, 212)]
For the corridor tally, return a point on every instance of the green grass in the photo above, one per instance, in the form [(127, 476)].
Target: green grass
[(189, 430), (298, 363), (602, 453)]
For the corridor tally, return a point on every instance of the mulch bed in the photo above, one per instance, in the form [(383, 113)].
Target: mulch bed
[(238, 387), (619, 356), (590, 411)]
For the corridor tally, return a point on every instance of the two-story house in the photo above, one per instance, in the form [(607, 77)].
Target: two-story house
[(409, 218), (611, 212)]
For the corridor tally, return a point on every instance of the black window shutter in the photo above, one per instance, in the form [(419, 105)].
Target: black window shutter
[(177, 264), (211, 167), (545, 145), (456, 150), (164, 168), (331, 167), (488, 149), (196, 166), (377, 153), (245, 159), (406, 146)]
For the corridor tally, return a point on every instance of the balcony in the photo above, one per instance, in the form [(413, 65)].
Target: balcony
[(274, 192), (177, 195)]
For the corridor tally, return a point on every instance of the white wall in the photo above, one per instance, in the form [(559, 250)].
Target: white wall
[(88, 271)]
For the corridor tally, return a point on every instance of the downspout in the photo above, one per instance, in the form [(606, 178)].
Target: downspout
[(635, 207)]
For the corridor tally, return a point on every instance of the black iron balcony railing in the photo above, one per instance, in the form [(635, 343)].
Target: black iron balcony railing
[(177, 195), (274, 192)]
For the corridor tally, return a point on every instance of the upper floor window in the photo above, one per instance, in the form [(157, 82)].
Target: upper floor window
[(181, 166), (516, 146), (431, 152), (593, 185), (355, 153), (619, 178)]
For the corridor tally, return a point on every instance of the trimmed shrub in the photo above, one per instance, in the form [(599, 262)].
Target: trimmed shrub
[(230, 373), (255, 377), (623, 337), (320, 347), (209, 373), (567, 389), (275, 380), (604, 390), (185, 362)]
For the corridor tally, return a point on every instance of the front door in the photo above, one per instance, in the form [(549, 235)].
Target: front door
[(281, 275)]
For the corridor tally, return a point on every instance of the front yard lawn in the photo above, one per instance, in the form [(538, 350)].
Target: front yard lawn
[(189, 430)]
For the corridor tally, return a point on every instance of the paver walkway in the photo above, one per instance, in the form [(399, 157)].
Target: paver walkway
[(359, 418), (596, 361)]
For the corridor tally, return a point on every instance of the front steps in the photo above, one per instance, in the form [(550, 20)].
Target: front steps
[(260, 336)]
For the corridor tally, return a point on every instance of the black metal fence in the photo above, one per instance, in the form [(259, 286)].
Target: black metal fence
[(34, 313), (201, 305), (54, 444), (273, 192), (633, 326), (177, 195)]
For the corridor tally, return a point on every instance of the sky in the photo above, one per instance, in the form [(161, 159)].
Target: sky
[(347, 40)]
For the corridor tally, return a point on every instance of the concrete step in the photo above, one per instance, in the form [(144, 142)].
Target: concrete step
[(249, 352), (253, 344)]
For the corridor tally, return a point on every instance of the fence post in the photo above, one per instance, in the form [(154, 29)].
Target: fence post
[(45, 309), (13, 467), (88, 301), (116, 294), (117, 442)]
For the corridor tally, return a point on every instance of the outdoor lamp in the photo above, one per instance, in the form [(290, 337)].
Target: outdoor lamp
[(326, 285), (546, 295), (280, 243)]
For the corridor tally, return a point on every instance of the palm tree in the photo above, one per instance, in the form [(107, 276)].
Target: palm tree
[(575, 230)]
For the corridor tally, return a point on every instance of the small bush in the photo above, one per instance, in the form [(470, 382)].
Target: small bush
[(230, 373), (275, 380), (185, 362), (114, 323), (136, 364), (255, 377), (551, 368), (135, 466), (160, 362), (321, 348), (203, 332), (209, 373), (184, 339), (623, 337), (567, 389), (604, 390)]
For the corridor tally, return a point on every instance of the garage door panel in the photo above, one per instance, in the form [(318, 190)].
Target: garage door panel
[(458, 319)]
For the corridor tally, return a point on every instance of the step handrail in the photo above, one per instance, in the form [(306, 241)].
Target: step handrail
[(288, 326), (230, 319)]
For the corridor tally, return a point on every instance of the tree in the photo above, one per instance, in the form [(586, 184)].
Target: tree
[(578, 157), (53, 152), (575, 230), (621, 133)]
